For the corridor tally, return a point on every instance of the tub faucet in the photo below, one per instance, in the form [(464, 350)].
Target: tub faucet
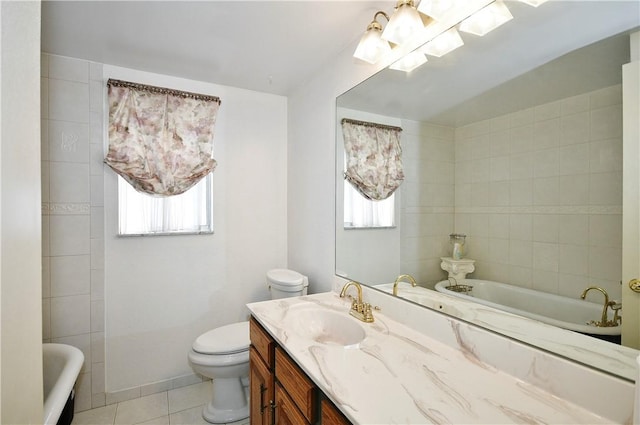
[(399, 279), (604, 322), (359, 309)]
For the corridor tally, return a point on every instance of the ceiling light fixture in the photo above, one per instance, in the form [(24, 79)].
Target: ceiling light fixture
[(487, 19), (404, 24), (446, 42), (372, 47), (534, 3), (434, 24), (437, 9), (409, 62)]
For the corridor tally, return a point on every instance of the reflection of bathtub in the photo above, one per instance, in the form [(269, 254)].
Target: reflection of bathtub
[(564, 312), (61, 364)]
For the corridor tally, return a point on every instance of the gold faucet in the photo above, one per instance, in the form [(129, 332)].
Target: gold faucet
[(399, 279), (604, 322), (359, 309)]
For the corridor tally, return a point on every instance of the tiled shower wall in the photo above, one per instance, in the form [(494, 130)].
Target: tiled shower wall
[(539, 194), (427, 199), (72, 216)]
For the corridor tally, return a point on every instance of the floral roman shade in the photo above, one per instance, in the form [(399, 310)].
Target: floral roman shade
[(374, 158), (160, 140)]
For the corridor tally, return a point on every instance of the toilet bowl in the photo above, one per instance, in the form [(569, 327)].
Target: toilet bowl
[(222, 354)]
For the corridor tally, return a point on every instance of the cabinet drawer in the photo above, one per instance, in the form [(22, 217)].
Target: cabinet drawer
[(262, 342), (286, 411), (299, 387)]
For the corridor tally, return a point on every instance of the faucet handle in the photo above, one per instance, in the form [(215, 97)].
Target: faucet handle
[(616, 307), (367, 313)]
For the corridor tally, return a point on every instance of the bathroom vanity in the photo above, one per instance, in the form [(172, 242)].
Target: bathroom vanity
[(309, 356), (280, 391)]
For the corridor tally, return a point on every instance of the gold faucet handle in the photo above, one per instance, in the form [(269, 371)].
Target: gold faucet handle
[(367, 313), (616, 307)]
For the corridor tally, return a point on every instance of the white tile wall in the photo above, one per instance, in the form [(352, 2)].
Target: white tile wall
[(73, 224), (428, 198), (555, 217)]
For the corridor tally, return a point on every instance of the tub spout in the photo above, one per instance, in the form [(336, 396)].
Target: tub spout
[(603, 320), (399, 279)]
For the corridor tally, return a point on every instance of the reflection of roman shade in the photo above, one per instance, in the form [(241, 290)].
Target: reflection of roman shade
[(374, 158), (160, 140)]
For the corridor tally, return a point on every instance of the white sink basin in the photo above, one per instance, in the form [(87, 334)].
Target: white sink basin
[(324, 326)]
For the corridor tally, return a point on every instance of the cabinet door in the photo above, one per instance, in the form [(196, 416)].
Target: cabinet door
[(331, 415), (286, 411), (297, 385), (261, 390)]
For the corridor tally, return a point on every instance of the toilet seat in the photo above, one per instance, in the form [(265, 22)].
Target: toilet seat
[(229, 339)]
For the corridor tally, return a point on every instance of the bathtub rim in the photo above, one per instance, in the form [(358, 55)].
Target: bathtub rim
[(585, 329), (57, 397)]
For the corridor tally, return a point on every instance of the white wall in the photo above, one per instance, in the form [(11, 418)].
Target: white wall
[(427, 200), (311, 175), (72, 216), (162, 292), (539, 194), (20, 227)]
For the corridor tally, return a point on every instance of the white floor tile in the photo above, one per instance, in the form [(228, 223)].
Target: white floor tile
[(163, 420), (191, 416), (142, 409), (188, 397), (185, 405), (242, 422), (100, 416)]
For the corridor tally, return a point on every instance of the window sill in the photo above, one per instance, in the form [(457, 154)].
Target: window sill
[(134, 235)]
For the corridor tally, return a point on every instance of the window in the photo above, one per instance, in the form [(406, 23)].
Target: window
[(360, 212), (188, 213)]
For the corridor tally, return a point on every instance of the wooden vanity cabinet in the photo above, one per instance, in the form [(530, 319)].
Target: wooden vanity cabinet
[(261, 375), (280, 392), (330, 415), (300, 389)]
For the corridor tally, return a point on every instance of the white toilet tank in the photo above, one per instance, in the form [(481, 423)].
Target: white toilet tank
[(285, 283)]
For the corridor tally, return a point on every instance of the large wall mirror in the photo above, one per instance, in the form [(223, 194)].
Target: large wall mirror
[(515, 140)]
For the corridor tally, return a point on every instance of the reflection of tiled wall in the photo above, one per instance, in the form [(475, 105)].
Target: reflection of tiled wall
[(427, 199), (72, 216), (539, 194)]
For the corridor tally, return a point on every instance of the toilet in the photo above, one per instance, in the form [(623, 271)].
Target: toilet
[(222, 354), (283, 283)]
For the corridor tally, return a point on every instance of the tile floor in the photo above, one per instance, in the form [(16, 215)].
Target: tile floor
[(179, 406)]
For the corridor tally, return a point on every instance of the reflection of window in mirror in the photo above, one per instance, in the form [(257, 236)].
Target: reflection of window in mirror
[(360, 212)]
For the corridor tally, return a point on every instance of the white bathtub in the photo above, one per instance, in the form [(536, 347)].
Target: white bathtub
[(564, 312), (61, 365)]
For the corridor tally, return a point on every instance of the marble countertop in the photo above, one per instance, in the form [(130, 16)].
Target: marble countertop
[(398, 375)]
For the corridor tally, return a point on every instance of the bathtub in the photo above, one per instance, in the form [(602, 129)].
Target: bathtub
[(61, 365), (564, 312)]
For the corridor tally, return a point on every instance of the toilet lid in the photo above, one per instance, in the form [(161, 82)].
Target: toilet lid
[(285, 277), (224, 340)]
